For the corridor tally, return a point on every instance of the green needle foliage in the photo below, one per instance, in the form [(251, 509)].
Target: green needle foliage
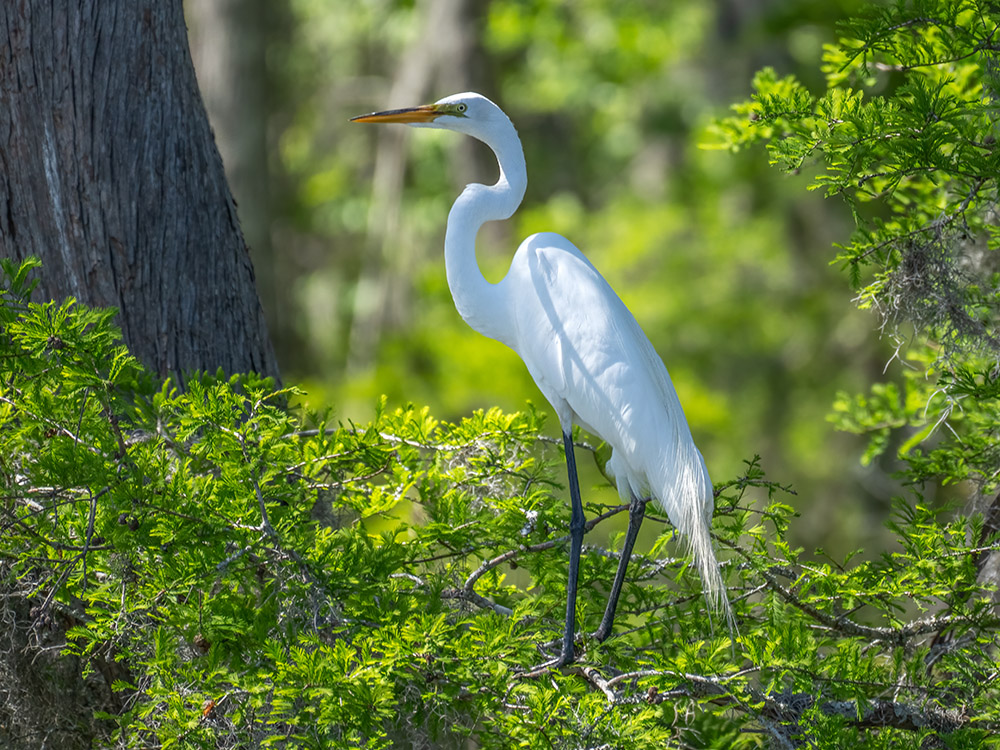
[(906, 134), (230, 573), (219, 570)]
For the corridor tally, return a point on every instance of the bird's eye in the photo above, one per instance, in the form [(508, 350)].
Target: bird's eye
[(462, 107)]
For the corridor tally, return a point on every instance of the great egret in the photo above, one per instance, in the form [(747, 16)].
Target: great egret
[(583, 348)]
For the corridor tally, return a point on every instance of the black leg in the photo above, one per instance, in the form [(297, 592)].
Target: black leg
[(636, 511), (576, 526)]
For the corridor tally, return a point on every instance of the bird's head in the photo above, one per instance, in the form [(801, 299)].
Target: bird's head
[(469, 113)]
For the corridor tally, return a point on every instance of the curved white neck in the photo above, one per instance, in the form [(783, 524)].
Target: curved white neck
[(477, 300)]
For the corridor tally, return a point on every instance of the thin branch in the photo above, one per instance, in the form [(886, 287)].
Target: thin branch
[(90, 535), (480, 601), (783, 708), (467, 592), (842, 624)]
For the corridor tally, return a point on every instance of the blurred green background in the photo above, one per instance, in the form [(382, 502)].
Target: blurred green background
[(724, 261)]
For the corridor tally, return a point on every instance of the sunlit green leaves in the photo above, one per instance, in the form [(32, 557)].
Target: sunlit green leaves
[(270, 578), (905, 132)]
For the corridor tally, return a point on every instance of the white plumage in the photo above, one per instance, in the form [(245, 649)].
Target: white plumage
[(582, 346)]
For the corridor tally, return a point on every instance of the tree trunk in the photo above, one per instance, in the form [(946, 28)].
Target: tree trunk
[(109, 173)]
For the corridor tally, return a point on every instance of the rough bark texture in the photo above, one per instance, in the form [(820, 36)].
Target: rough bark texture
[(45, 702), (109, 173)]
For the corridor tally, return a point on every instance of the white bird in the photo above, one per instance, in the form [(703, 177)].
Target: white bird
[(584, 349)]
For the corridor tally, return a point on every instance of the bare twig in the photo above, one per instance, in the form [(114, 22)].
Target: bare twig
[(842, 624), (785, 709), (480, 601)]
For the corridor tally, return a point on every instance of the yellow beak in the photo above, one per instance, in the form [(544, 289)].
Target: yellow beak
[(423, 113)]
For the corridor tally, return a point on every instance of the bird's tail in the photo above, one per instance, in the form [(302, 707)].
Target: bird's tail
[(690, 508)]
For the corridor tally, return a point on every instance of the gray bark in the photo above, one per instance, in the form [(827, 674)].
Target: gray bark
[(45, 701), (109, 173)]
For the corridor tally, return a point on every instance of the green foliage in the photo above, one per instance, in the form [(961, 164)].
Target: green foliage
[(255, 579), (244, 575), (924, 150), (905, 133), (711, 253)]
